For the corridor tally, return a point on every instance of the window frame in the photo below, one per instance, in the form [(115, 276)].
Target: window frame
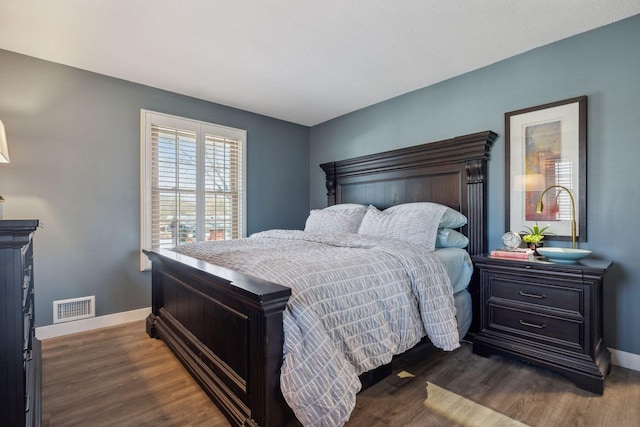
[(150, 118)]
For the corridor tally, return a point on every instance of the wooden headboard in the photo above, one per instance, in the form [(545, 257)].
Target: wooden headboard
[(451, 172)]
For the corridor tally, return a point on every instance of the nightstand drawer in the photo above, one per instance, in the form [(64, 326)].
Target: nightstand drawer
[(554, 330), (540, 294)]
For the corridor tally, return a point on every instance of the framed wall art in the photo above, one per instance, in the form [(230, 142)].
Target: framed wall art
[(546, 155)]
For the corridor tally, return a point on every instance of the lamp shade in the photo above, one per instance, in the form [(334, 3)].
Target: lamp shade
[(4, 149)]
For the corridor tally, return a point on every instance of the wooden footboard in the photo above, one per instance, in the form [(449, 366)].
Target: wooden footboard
[(226, 329)]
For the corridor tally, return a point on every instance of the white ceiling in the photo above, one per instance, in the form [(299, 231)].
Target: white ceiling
[(301, 61)]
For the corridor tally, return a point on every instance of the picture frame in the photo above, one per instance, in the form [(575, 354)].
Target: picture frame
[(546, 146)]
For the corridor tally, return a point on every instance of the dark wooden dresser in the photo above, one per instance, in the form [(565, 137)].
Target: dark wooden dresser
[(20, 356), (546, 314)]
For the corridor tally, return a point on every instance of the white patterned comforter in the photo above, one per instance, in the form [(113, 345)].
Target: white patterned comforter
[(356, 301)]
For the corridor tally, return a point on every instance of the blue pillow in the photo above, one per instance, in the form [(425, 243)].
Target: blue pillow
[(448, 238)]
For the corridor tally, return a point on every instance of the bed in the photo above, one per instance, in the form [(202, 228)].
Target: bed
[(226, 327)]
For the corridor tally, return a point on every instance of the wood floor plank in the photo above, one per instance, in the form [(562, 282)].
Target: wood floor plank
[(118, 376)]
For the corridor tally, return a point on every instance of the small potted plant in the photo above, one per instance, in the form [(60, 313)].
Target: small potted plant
[(534, 235)]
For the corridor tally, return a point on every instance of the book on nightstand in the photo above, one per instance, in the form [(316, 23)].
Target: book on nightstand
[(518, 253)]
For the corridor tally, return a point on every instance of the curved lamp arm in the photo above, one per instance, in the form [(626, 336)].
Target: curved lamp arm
[(540, 207)]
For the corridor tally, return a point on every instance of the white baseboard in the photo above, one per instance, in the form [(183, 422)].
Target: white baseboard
[(625, 360), (60, 329)]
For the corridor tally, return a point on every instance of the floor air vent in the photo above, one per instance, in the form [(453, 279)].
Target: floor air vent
[(74, 309)]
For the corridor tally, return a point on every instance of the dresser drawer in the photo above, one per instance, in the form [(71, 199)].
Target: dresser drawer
[(27, 284), (535, 326), (28, 322), (547, 295), (30, 384), (27, 333)]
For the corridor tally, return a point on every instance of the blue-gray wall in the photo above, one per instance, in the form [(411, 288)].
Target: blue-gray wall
[(603, 64), (74, 142)]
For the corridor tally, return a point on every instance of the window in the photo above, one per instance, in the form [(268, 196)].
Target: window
[(193, 185)]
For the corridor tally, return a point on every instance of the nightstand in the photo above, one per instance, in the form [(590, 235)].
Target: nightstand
[(546, 314)]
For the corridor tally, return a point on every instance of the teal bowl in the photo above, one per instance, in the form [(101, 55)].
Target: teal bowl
[(564, 255)]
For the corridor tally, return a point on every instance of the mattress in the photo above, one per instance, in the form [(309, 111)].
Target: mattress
[(464, 314), (458, 266)]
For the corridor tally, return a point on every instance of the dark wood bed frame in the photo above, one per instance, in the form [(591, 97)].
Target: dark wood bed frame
[(226, 327)]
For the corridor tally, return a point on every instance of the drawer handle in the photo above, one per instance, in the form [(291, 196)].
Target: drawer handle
[(524, 294), (532, 325)]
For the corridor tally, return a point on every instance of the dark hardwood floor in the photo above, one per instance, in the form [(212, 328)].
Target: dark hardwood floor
[(117, 377), (531, 395)]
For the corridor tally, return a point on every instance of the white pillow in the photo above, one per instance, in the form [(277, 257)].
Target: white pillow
[(335, 221), (448, 238), (341, 206), (450, 219), (418, 226)]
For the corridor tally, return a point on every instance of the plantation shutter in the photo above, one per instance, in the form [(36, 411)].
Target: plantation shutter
[(173, 192), (193, 182), (223, 188)]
